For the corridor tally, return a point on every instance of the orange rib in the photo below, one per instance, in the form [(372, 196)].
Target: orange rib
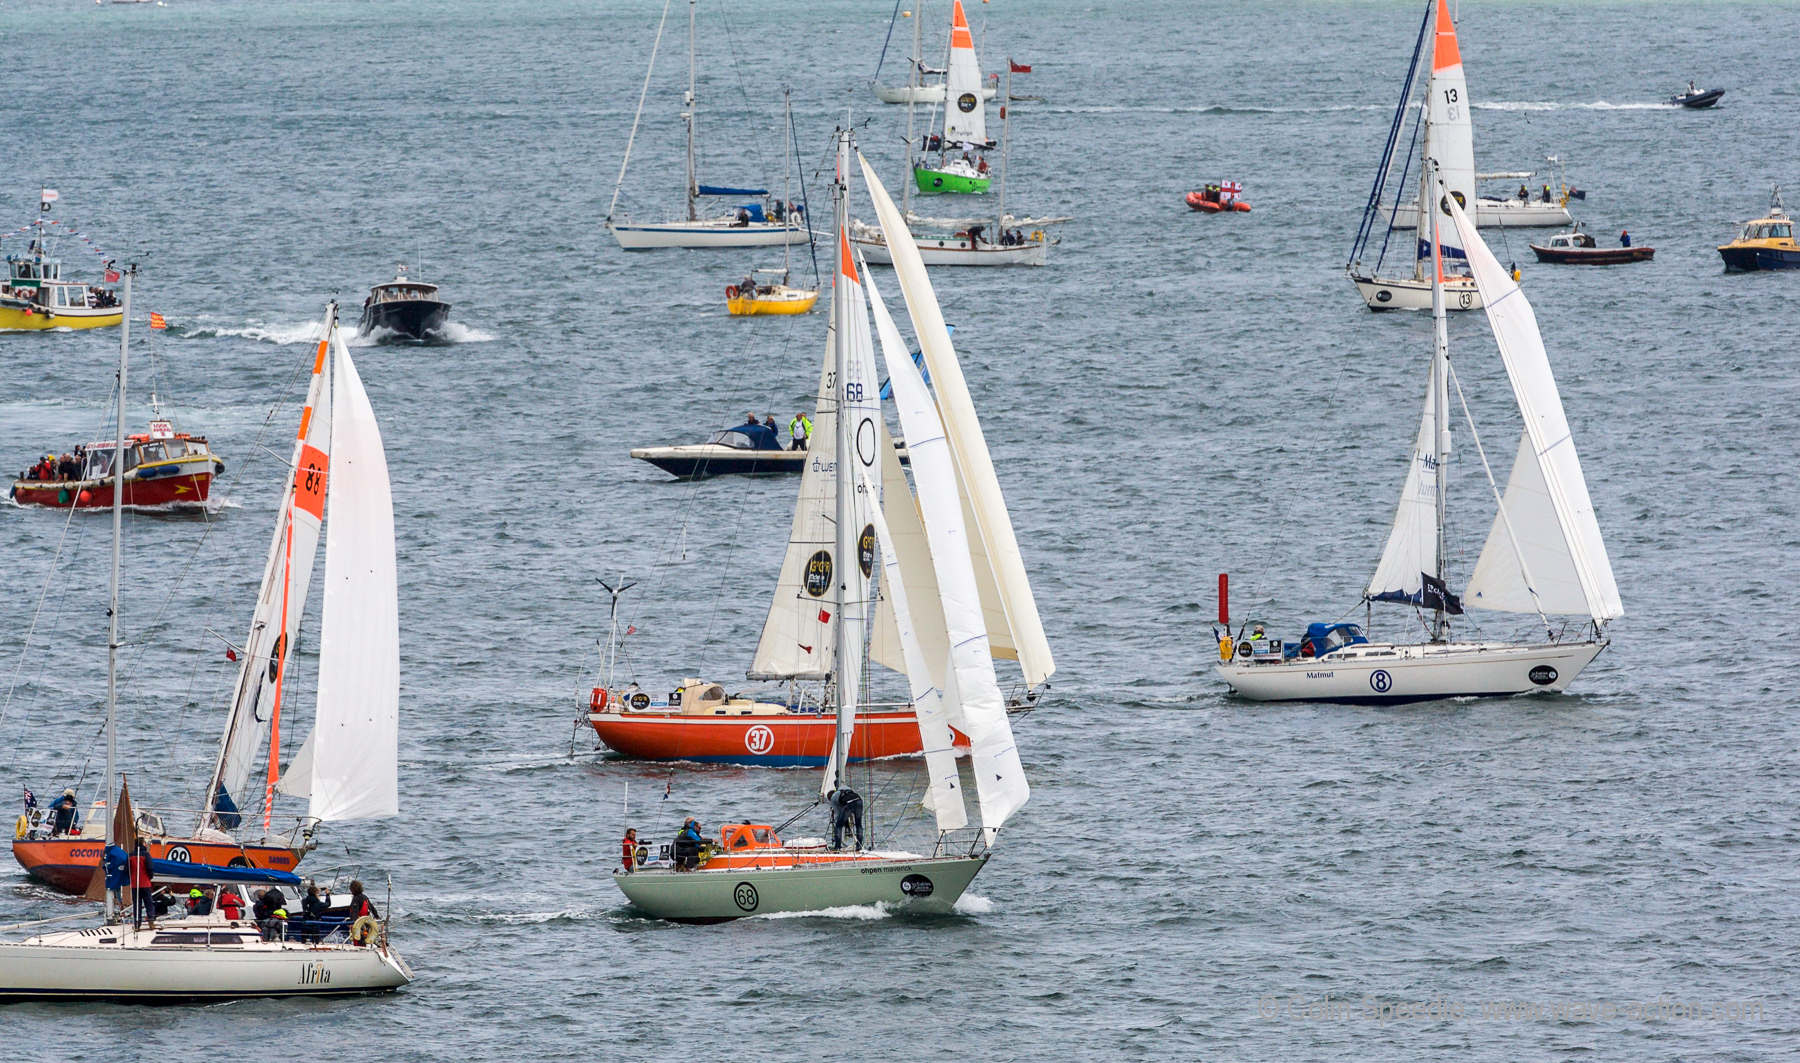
[(1445, 53)]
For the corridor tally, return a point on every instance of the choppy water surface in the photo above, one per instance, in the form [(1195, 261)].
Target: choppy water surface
[(1173, 397)]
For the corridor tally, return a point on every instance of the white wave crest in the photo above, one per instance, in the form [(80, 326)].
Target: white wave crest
[(1551, 105), (848, 911), (281, 333), (970, 904)]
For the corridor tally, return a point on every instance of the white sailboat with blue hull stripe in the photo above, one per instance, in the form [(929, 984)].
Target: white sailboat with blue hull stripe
[(1544, 554)]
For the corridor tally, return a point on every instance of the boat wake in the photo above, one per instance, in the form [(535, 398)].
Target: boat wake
[(263, 332), (1552, 105), (864, 912), (453, 332), (971, 904)]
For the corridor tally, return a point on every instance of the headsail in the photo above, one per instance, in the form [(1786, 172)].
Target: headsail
[(280, 603), (1412, 544), (968, 447), (970, 684), (1548, 507), (355, 743), (965, 115)]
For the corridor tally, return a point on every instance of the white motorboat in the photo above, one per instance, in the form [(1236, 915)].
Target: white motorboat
[(1544, 554), (944, 545), (1448, 143), (751, 216)]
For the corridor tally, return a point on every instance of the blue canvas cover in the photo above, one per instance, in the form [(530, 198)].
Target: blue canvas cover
[(180, 871), (729, 190), (1327, 638), (761, 436)]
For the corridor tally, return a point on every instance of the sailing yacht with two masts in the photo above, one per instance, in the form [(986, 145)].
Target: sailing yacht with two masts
[(1544, 555), (931, 540), (757, 220)]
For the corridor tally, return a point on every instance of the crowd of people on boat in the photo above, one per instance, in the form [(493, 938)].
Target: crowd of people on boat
[(799, 429), (53, 469), (1544, 196)]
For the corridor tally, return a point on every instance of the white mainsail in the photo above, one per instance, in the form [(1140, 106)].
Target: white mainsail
[(973, 693), (968, 447), (280, 604), (1449, 133), (356, 731), (795, 643), (965, 116), (1412, 544), (1557, 480)]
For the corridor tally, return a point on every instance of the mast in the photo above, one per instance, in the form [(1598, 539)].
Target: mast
[(1005, 128), (112, 610), (1440, 390), (912, 101), (848, 657), (787, 186), (693, 188)]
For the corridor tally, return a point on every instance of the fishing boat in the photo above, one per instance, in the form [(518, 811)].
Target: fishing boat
[(1696, 99), (403, 309), (931, 576), (1578, 248), (1221, 198), (337, 455), (1544, 555), (960, 137), (164, 469), (36, 296), (1448, 146), (924, 84), (753, 220), (1764, 243)]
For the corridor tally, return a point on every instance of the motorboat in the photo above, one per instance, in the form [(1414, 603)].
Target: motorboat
[(1221, 198), (933, 562), (1763, 243), (403, 309), (1544, 555), (36, 296), (742, 450), (1696, 99), (164, 469), (1578, 248)]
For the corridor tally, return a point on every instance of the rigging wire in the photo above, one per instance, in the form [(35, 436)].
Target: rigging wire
[(638, 117)]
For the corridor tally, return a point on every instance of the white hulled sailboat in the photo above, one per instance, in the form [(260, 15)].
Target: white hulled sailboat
[(1544, 554), (936, 540), (757, 221)]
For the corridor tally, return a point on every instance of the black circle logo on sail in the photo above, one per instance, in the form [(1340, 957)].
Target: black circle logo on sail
[(1461, 201), (916, 886), (818, 574), (966, 102), (744, 896), (865, 550), (865, 442), (1380, 681), (1543, 675)]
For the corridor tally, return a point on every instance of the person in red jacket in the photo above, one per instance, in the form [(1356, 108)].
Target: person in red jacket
[(628, 850)]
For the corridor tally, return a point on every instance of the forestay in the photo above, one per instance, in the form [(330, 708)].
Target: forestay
[(1546, 499), (280, 601), (992, 525)]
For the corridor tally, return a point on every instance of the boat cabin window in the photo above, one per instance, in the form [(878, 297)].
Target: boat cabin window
[(730, 438), (197, 937), (153, 452)]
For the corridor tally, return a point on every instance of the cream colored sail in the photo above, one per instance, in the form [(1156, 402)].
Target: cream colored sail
[(1551, 502), (974, 467)]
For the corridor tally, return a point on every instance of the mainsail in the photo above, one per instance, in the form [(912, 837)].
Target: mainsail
[(965, 116), (1449, 134), (280, 604), (977, 481), (355, 742), (1560, 561)]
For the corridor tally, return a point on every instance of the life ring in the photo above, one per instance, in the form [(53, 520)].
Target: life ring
[(731, 291), (20, 826), (363, 930), (597, 701), (1037, 236)]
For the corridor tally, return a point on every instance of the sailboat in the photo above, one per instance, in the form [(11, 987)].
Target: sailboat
[(961, 137), (758, 298), (924, 84), (1449, 145), (926, 540), (359, 614), (756, 220), (1544, 554), (351, 772), (998, 239)]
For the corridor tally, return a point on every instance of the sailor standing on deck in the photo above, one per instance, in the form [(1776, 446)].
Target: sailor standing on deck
[(846, 812), (800, 428)]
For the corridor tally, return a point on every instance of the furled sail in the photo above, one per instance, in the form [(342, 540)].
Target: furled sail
[(968, 446), (1551, 502), (795, 643), (1412, 544), (1449, 134), (355, 741), (280, 604), (965, 116), (971, 687)]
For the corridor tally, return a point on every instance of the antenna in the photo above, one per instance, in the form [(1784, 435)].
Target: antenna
[(612, 645)]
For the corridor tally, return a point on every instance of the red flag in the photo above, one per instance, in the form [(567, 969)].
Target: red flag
[(824, 616), (230, 654), (112, 276), (156, 320), (1018, 68), (631, 629)]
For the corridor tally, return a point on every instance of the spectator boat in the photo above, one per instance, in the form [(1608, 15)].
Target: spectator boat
[(1544, 554), (36, 296), (403, 309), (929, 562), (1696, 99), (1764, 243), (1577, 248), (164, 469)]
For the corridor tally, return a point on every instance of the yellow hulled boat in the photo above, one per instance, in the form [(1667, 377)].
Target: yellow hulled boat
[(751, 297), (35, 296)]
